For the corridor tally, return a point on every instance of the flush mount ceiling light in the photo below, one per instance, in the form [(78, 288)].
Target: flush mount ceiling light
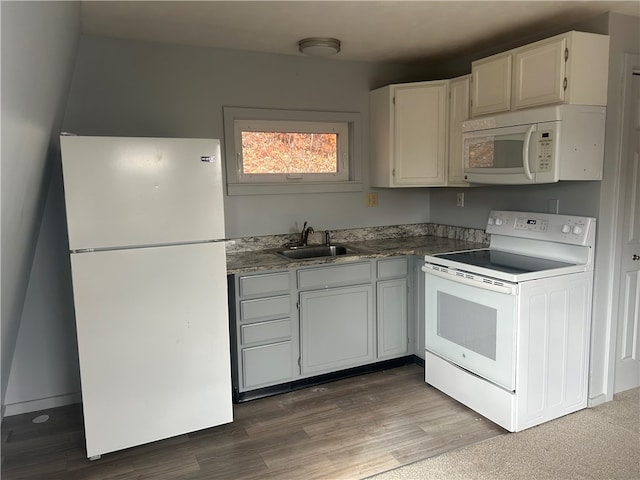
[(319, 47)]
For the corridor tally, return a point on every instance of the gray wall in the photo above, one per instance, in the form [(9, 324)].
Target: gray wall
[(136, 88), (155, 89), (45, 370), (575, 198), (38, 48)]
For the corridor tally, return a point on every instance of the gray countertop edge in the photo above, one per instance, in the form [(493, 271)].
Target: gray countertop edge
[(264, 260)]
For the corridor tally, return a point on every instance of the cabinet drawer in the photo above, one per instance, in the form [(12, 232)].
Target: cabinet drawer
[(393, 267), (266, 331), (267, 364), (279, 306), (264, 284), (335, 275)]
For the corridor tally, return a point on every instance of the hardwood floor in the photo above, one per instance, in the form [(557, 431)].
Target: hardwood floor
[(346, 429)]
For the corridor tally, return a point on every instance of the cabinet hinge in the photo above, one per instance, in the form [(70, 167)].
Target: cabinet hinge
[(566, 54)]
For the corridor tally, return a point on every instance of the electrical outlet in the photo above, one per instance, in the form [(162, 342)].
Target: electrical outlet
[(460, 200), (372, 199)]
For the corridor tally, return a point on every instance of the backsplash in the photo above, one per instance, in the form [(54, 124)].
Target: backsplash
[(266, 242)]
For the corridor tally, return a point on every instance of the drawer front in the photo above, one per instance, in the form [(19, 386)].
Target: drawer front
[(267, 365), (264, 284), (260, 308), (334, 275), (264, 332), (392, 268)]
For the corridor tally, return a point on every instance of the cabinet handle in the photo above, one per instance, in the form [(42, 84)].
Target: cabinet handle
[(564, 84)]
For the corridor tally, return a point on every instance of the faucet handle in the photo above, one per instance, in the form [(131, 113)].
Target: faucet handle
[(327, 237)]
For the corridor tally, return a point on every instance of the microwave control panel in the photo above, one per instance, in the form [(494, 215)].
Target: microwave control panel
[(544, 154)]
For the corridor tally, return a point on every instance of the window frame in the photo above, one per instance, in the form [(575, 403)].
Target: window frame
[(349, 134)]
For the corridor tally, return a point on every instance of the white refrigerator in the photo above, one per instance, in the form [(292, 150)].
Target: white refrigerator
[(146, 227)]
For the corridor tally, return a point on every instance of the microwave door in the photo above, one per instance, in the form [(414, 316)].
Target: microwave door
[(500, 156)]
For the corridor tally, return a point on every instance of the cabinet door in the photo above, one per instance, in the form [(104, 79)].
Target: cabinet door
[(491, 82), (458, 113), (392, 318), (539, 73), (336, 328), (267, 365), (420, 133)]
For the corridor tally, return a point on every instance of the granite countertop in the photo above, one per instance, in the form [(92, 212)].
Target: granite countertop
[(420, 245)]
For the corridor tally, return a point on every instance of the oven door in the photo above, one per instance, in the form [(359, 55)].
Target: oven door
[(471, 322)]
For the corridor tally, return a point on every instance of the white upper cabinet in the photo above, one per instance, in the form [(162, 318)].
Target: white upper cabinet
[(409, 124), (491, 84), (459, 92), (570, 68)]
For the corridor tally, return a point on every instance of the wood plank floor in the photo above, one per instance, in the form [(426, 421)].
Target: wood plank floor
[(347, 429)]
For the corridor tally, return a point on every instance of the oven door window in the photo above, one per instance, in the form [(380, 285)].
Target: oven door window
[(472, 327)]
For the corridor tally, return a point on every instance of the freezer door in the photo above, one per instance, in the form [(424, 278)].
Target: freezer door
[(124, 191), (153, 341)]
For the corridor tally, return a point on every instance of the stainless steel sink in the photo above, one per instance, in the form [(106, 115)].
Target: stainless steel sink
[(314, 251)]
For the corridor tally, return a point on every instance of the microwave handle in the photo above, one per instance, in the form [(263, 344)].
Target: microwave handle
[(525, 152)]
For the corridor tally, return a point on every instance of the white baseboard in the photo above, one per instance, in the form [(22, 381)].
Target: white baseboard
[(41, 404), (597, 400)]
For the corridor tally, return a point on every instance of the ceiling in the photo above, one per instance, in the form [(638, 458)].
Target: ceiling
[(384, 31)]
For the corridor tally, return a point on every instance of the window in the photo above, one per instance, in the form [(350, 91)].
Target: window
[(284, 151)]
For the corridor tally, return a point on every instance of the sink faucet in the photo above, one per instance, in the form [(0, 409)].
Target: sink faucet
[(327, 238), (304, 236)]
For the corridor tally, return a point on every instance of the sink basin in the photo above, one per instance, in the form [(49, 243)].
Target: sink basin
[(313, 251)]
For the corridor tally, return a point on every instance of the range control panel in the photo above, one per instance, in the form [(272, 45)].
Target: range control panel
[(550, 227)]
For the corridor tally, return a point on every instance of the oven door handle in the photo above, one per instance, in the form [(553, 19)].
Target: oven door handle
[(509, 290)]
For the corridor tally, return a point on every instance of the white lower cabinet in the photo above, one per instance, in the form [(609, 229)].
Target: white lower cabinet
[(336, 328)]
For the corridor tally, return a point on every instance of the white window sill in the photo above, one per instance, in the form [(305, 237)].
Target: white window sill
[(283, 188)]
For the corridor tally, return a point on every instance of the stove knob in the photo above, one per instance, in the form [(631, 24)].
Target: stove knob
[(566, 229), (499, 221), (577, 230)]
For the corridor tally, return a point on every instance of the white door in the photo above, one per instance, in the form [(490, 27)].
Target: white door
[(539, 72), (472, 324), (125, 191), (627, 374), (153, 342), (491, 84), (421, 133)]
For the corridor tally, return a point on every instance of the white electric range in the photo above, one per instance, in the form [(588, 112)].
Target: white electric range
[(507, 327)]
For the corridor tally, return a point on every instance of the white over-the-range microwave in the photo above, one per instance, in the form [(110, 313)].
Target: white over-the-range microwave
[(540, 145)]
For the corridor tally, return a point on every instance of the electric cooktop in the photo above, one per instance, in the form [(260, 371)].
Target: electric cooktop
[(503, 261)]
